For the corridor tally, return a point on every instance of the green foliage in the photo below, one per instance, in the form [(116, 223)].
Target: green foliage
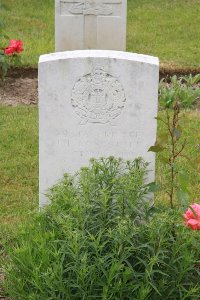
[(171, 146), (19, 192), (185, 89), (3, 65), (189, 162), (191, 80), (6, 62), (97, 242)]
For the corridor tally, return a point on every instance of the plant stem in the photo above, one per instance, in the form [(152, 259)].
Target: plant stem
[(174, 155)]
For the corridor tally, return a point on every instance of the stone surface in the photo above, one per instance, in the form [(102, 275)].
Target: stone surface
[(94, 103), (90, 24)]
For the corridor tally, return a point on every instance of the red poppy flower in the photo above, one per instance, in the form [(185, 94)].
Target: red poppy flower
[(15, 46)]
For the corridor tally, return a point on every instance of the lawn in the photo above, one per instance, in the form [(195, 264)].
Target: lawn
[(167, 29), (19, 163), (18, 166)]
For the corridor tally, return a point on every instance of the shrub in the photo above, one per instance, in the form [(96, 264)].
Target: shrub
[(96, 241), (185, 89)]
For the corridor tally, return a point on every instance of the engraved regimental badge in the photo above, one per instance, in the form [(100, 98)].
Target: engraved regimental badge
[(98, 97), (91, 7)]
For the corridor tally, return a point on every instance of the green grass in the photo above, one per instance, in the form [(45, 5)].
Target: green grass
[(32, 21), (19, 164), (167, 29)]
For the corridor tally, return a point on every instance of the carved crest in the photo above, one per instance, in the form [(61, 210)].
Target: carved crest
[(91, 7), (98, 97)]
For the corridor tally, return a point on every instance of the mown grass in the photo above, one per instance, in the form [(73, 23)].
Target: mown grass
[(19, 164), (32, 21), (167, 29)]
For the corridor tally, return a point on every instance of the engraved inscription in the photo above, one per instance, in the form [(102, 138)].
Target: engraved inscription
[(98, 97), (105, 143)]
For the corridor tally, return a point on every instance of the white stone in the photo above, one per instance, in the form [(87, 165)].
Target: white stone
[(90, 24), (94, 103)]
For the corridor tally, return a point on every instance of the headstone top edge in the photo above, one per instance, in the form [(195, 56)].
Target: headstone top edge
[(99, 53)]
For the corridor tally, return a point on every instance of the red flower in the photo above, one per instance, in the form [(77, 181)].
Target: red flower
[(192, 217), (9, 51), (15, 46)]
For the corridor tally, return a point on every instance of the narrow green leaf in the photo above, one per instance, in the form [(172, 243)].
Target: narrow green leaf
[(183, 180), (183, 197), (153, 187), (156, 148), (194, 212)]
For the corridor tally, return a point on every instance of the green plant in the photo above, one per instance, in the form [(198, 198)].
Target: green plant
[(8, 53), (9, 56), (171, 149), (186, 89), (191, 80), (96, 241)]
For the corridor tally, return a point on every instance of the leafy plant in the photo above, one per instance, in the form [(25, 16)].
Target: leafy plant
[(96, 241), (185, 88), (9, 56), (171, 146), (190, 80)]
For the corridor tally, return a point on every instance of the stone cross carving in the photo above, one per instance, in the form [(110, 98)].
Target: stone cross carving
[(91, 9), (90, 24)]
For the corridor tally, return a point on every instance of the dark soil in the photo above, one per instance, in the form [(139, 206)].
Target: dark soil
[(19, 88)]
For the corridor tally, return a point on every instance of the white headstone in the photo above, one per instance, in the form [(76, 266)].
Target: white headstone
[(94, 103), (90, 24)]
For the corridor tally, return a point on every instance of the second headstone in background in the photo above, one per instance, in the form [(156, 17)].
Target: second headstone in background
[(90, 24)]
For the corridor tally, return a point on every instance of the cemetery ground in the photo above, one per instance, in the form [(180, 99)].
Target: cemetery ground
[(152, 29)]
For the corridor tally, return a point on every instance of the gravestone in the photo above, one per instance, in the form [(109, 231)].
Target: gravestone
[(94, 103), (90, 24)]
